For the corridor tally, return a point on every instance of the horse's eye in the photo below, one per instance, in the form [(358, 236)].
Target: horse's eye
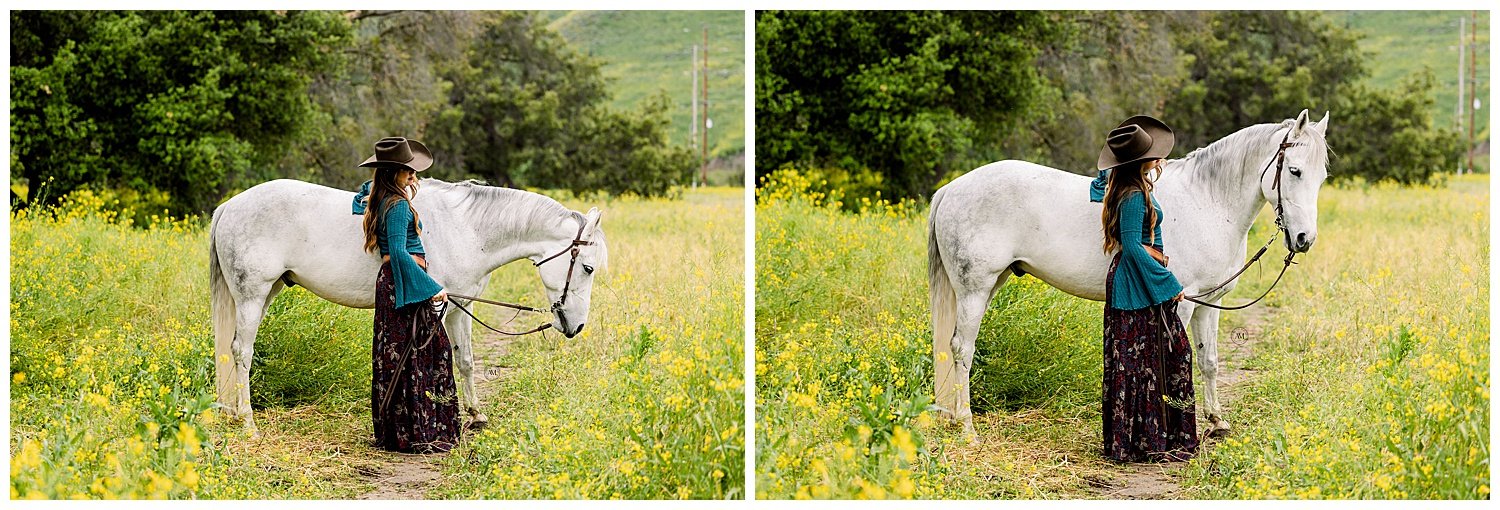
[(588, 269), (1296, 172)]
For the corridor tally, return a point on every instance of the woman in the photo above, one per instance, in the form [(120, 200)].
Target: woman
[(1148, 380), (413, 399)]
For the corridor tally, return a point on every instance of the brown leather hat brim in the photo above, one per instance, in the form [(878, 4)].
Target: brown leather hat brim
[(1162, 141), (421, 158)]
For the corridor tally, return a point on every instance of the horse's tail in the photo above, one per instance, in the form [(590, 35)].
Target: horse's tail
[(222, 309), (944, 316)]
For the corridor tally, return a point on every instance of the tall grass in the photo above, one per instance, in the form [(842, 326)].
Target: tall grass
[(841, 328), (1374, 378), (649, 401), (112, 376)]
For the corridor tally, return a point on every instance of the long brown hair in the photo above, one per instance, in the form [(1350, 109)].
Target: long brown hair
[(1122, 180), (385, 192)]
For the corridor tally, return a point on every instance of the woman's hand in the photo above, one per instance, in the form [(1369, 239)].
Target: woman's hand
[(1178, 297), (441, 296)]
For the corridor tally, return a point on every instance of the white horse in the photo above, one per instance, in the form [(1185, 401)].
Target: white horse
[(1010, 215), (291, 232)]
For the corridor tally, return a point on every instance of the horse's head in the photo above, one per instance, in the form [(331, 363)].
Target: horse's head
[(1303, 171), (568, 273)]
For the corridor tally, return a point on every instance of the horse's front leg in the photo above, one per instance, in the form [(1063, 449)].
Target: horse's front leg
[(1206, 341), (460, 331)]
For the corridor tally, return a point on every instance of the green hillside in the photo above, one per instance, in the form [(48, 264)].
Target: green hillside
[(648, 51), (1403, 42)]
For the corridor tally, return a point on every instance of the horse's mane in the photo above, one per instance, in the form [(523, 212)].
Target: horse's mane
[(1238, 147), (1234, 146), (493, 201), (485, 201)]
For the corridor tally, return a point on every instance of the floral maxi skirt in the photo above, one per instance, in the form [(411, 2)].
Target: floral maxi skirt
[(1148, 383), (413, 400)]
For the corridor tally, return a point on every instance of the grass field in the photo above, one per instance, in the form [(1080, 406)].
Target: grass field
[(650, 51), (1371, 380), (112, 378)]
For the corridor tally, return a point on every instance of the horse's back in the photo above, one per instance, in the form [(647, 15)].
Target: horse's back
[(1016, 214)]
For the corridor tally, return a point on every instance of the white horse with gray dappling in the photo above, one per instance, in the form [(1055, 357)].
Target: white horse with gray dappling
[(287, 231), (1011, 215)]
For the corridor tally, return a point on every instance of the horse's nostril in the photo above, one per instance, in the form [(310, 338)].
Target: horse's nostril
[(580, 329)]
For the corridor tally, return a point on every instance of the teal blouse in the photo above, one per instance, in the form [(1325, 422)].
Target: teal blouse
[(400, 230), (1140, 281)]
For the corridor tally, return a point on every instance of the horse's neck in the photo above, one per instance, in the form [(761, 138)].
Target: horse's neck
[(1224, 178), (511, 225)]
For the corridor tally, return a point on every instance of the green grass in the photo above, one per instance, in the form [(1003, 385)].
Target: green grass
[(1374, 378), (1403, 42), (112, 375), (650, 51), (842, 328)]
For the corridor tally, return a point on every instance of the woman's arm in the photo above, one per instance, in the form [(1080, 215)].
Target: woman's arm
[(1160, 284), (412, 283)]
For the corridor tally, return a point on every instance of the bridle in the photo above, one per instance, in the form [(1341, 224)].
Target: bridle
[(1280, 160), (556, 305), (572, 262)]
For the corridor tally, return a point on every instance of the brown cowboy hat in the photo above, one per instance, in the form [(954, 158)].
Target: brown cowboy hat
[(1139, 138), (401, 152)]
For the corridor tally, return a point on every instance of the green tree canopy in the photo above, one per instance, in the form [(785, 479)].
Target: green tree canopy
[(190, 103), (907, 95), (524, 108)]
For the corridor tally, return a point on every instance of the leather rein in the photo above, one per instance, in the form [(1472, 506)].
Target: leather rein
[(1280, 160), (556, 305)]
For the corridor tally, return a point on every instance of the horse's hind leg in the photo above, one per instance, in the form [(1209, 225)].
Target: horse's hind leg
[(250, 311), (1205, 322), (461, 333), (971, 307)]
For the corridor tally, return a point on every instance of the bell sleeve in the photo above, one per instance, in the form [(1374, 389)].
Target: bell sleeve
[(1099, 186), (411, 282), (359, 199), (1146, 281)]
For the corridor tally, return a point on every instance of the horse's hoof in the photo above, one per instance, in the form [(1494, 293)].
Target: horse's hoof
[(479, 422), (970, 436), (1218, 428)]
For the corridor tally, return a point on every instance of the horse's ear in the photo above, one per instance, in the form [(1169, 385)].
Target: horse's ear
[(1300, 125), (595, 216), (1322, 125)]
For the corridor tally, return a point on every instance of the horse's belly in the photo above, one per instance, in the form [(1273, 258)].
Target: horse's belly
[(1084, 282), (361, 296)]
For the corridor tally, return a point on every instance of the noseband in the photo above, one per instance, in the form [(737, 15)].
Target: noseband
[(1280, 160)]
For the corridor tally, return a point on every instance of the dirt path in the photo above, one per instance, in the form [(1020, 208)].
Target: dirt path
[(401, 476), (1159, 481)]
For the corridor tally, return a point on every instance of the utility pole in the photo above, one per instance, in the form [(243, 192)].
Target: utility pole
[(693, 124), (1458, 109), (1473, 100), (703, 154)]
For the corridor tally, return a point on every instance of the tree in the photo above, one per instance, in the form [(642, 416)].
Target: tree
[(1253, 67), (1111, 65), (191, 103), (907, 95), (1388, 135), (389, 86), (527, 109)]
